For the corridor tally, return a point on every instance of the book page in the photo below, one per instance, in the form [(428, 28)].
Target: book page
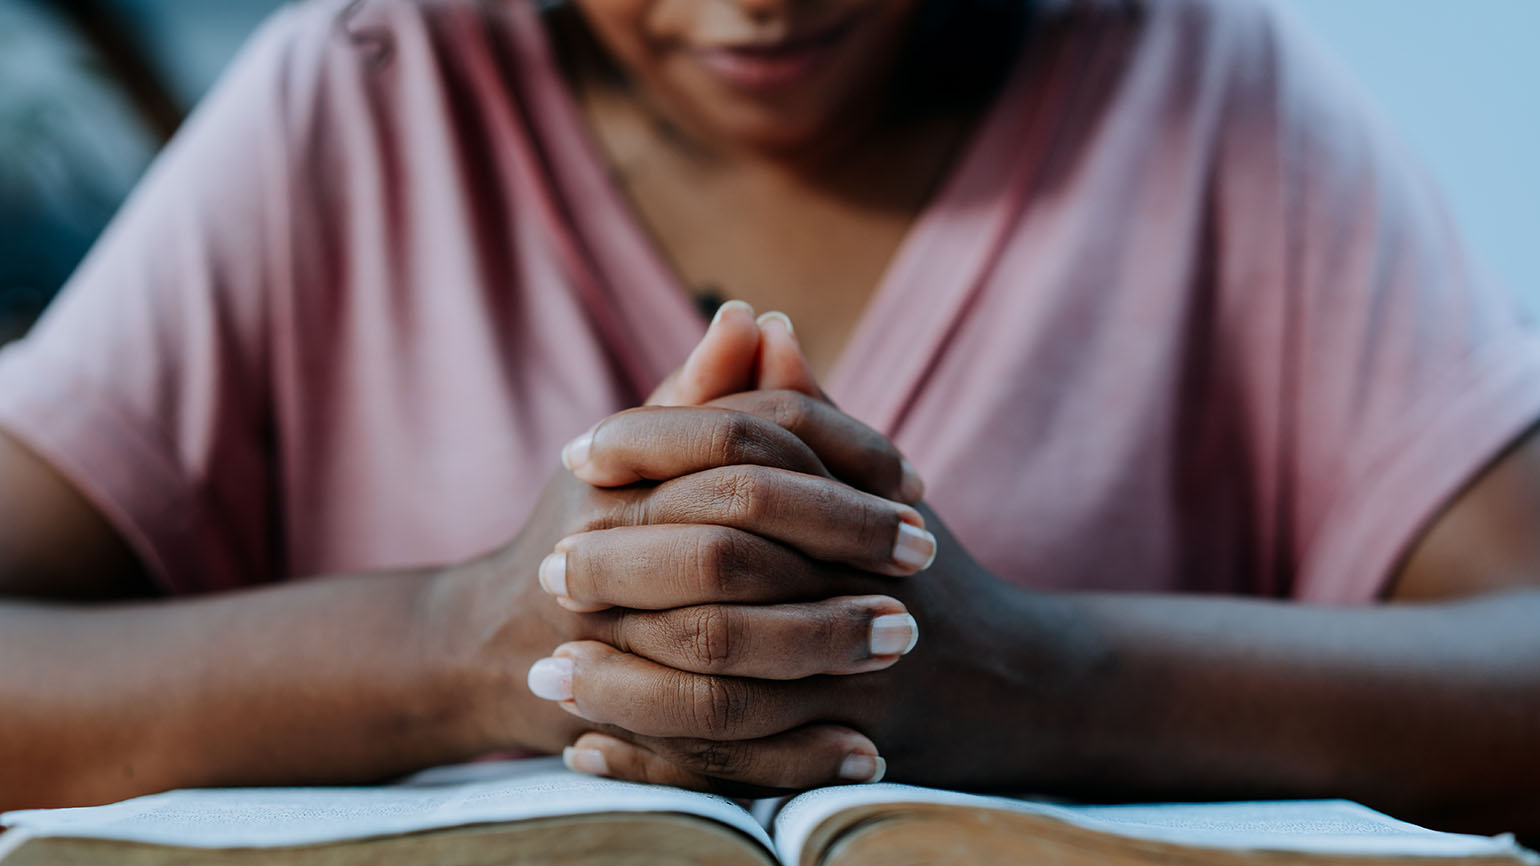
[(448, 797), (1336, 826), (1304, 826)]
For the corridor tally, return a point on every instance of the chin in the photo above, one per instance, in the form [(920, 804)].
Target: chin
[(774, 133), (790, 125)]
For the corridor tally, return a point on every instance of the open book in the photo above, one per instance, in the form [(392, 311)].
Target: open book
[(537, 812)]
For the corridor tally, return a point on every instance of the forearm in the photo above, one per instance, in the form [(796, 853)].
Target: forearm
[(333, 680), (1430, 711)]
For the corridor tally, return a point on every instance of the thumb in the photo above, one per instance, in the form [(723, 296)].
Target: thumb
[(782, 366), (722, 362)]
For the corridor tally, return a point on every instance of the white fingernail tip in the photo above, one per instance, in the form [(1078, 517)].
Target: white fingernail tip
[(863, 768), (590, 761), (553, 574), (914, 548), (732, 305), (894, 634), (575, 453), (777, 316), (551, 679)]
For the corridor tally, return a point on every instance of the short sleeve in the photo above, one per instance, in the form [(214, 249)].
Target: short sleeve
[(145, 383), (1386, 371)]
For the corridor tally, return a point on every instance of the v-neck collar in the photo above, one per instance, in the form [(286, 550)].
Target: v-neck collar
[(938, 268), (909, 316)]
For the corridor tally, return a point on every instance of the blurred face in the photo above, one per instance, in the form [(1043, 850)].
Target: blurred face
[(767, 75)]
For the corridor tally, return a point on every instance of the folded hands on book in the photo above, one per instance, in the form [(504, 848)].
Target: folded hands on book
[(731, 580)]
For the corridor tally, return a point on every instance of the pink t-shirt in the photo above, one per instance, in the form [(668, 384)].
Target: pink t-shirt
[(1180, 320)]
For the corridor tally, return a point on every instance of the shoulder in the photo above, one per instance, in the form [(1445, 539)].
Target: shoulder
[(1231, 24), (1242, 76), (1240, 48), (1170, 61), (1205, 23), (362, 28), (353, 100), (1269, 68), (1146, 81), (320, 56)]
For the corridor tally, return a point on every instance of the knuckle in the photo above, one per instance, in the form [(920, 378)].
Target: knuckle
[(630, 510), (831, 629), (887, 465), (608, 509), (789, 409), (711, 757), (716, 706), (619, 629), (715, 560), (742, 495), (876, 529), (730, 438), (708, 639)]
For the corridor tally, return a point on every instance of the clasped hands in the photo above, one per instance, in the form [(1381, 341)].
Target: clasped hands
[(729, 581)]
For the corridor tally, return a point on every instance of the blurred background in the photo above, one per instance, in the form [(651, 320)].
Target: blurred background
[(90, 89)]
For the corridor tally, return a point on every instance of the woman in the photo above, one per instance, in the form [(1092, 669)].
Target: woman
[(1233, 443)]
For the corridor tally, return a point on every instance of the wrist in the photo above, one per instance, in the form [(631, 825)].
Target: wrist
[(1031, 669), (452, 640), (481, 628), (1068, 666)]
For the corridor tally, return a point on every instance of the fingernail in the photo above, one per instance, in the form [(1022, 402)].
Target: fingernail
[(894, 634), (912, 487), (590, 761), (553, 574), (777, 316), (581, 606), (863, 768), (915, 547), (551, 679), (733, 305), (575, 453)]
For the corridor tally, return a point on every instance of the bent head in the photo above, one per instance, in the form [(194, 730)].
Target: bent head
[(758, 74)]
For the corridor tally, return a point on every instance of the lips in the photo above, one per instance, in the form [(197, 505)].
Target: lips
[(774, 66)]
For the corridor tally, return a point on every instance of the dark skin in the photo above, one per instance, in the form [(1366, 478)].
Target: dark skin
[(358, 678), (1359, 717), (756, 674), (1424, 705)]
